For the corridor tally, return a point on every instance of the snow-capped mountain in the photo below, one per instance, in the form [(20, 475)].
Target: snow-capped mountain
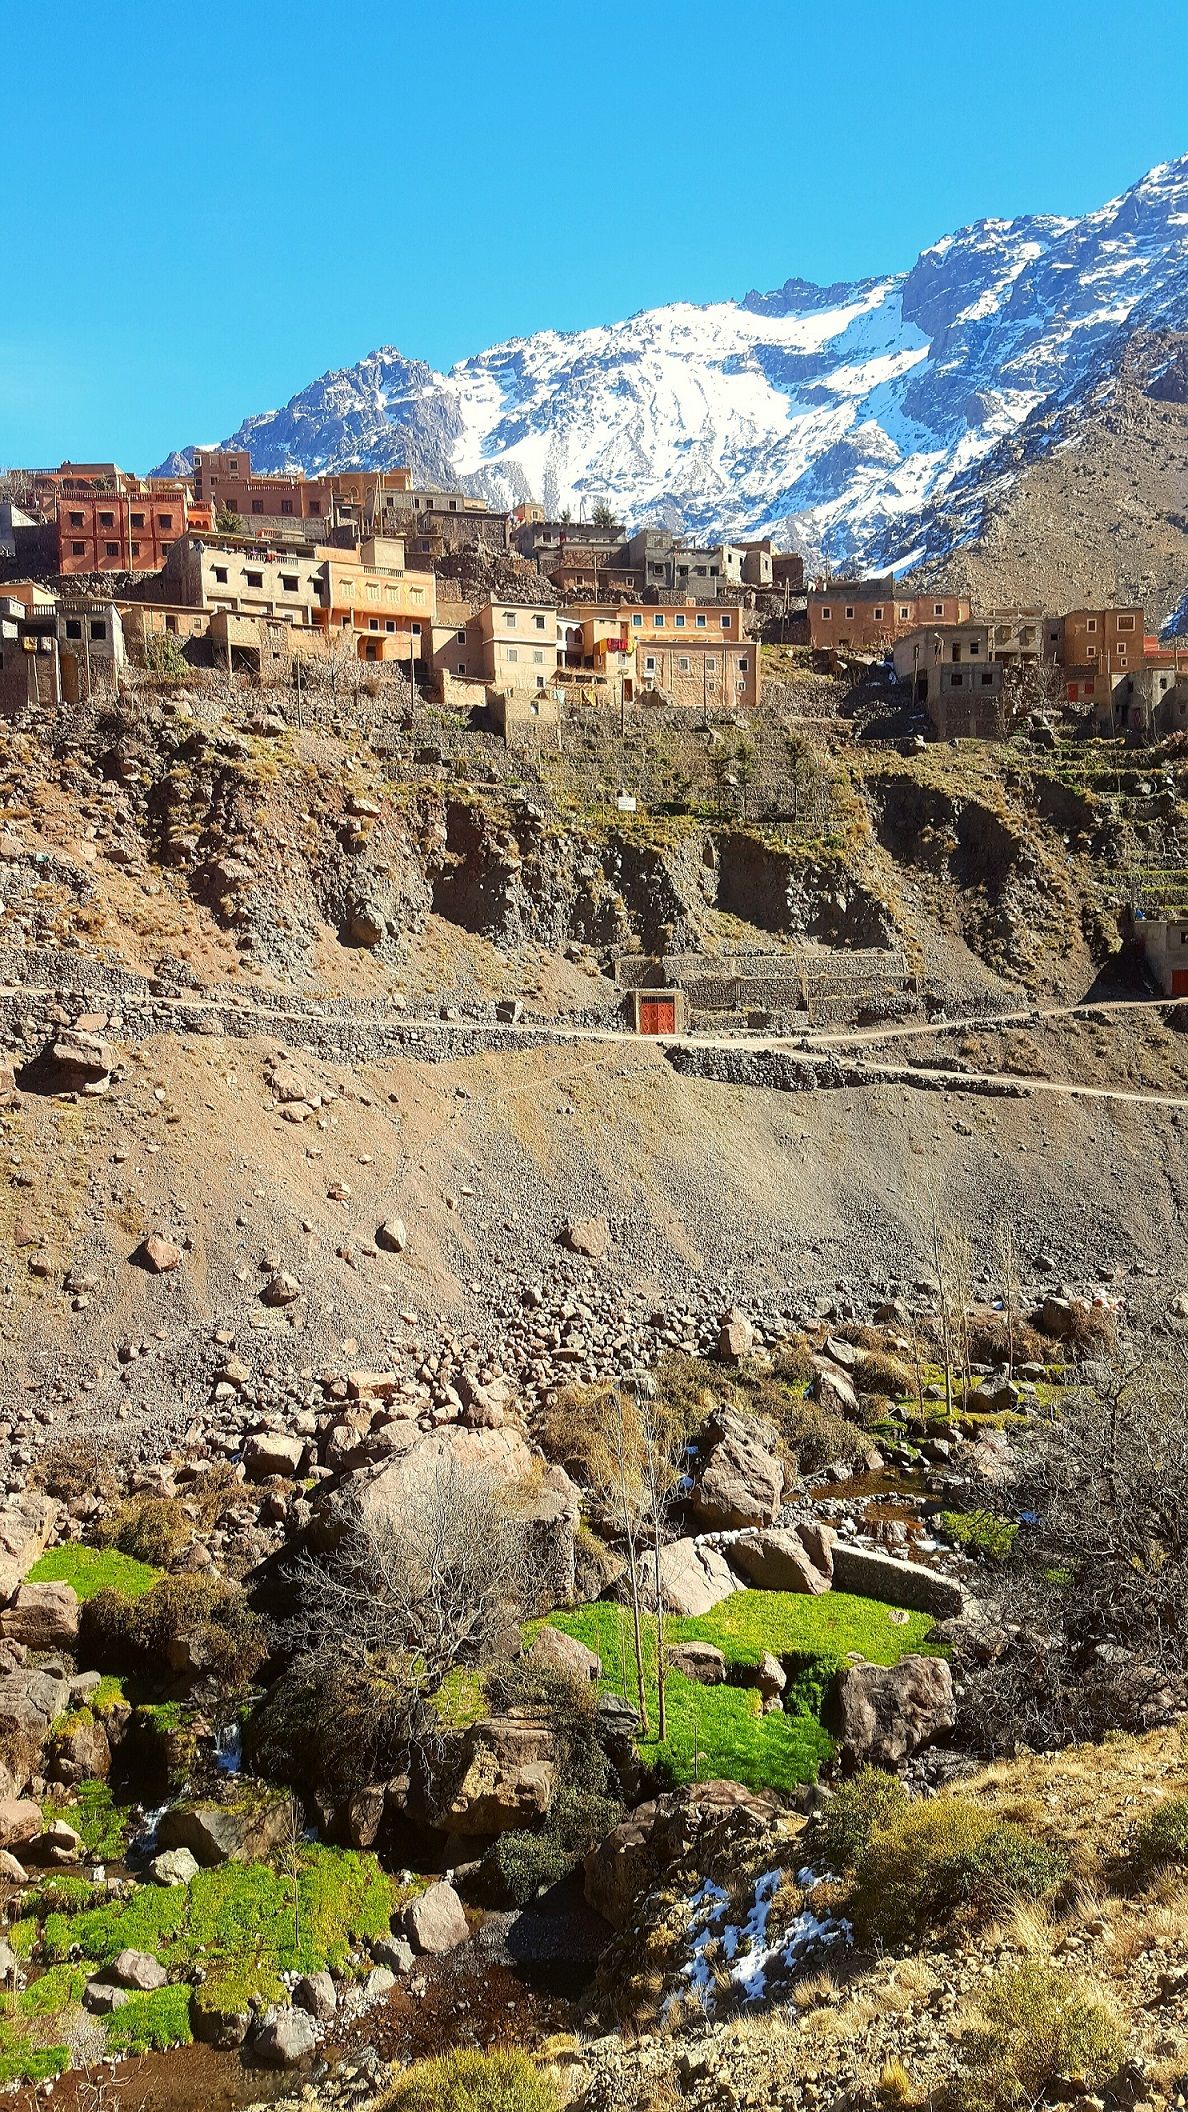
[(833, 418)]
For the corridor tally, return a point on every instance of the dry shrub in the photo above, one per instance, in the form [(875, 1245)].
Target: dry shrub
[(191, 1626), (74, 1467), (934, 1860), (569, 1422), (993, 1341), (1042, 2026), (886, 1376)]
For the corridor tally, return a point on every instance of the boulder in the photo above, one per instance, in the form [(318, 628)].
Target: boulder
[(220, 2014), (20, 1821), (503, 1778), (589, 1236), (174, 1866), (396, 1953), (392, 1235), (30, 1698), (317, 1993), (138, 1970), (11, 1871), (774, 1560), (245, 1832), (158, 1254), (881, 1714), (832, 1389), (272, 1453), (101, 1996), (284, 2036), (702, 1662), (738, 1480), (58, 1843), (25, 1528), (81, 1752), (651, 1839), (434, 1922), (554, 1651), (73, 1061), (693, 1578), (736, 1337), (42, 1616), (770, 1678), (818, 1541)]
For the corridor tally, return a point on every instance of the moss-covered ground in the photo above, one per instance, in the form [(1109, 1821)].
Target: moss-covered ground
[(719, 1732), (92, 1569)]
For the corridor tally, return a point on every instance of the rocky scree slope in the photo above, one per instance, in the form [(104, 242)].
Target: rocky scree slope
[(834, 418)]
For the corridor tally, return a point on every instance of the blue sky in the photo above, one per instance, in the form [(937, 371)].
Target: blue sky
[(216, 204)]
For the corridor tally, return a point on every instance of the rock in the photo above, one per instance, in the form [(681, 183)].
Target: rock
[(693, 1578), (818, 1541), (10, 1965), (42, 1616), (434, 1922), (227, 1833), (281, 1290), (25, 1528), (392, 1235), (770, 1678), (651, 1839), (20, 1821), (11, 1871), (365, 925), (30, 1699), (59, 1843), (158, 1255), (996, 1393), (736, 1337), (554, 1651), (587, 1235), (73, 1060), (880, 1714), (738, 1480), (175, 1866), (774, 1560), (289, 1082), (503, 1779), (832, 1389), (1063, 1318), (79, 1753), (283, 2037), (270, 1453), (317, 1993), (842, 1353), (702, 1662), (139, 1970), (219, 2013), (871, 1574), (102, 1996), (396, 1952)]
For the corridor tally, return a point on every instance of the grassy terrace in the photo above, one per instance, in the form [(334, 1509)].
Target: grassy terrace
[(718, 1732)]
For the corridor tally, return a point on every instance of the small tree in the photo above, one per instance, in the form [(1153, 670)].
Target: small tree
[(602, 517), (227, 521)]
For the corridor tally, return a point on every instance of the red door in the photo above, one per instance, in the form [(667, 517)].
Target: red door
[(657, 1015), (1179, 986)]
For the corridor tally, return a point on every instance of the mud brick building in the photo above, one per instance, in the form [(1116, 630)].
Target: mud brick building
[(868, 616)]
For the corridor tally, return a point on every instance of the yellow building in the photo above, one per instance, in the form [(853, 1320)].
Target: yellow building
[(388, 610)]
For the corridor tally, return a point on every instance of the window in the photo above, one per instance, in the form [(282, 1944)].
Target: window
[(453, 505), (460, 637), (987, 677), (713, 572), (286, 505), (254, 579), (257, 505), (76, 520), (878, 615), (107, 520), (136, 549), (679, 622), (849, 613), (461, 667), (164, 522), (73, 627), (513, 652), (725, 622), (1126, 623), (711, 662), (415, 629), (77, 549), (537, 656), (903, 612), (700, 571), (649, 664), (112, 549), (416, 593), (701, 623), (683, 663), (373, 592), (827, 615), (938, 608), (509, 618), (955, 650), (220, 573), (659, 622), (289, 582), (314, 508), (1092, 653), (539, 622), (1092, 624), (743, 665), (636, 622), (955, 681), (98, 630)]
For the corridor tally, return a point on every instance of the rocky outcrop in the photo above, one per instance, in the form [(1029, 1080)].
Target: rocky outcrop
[(42, 1616), (25, 1529), (774, 1560), (881, 1714), (660, 1834), (693, 1578), (245, 1832), (501, 1775), (435, 1922)]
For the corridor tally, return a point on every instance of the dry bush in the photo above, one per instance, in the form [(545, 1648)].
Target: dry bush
[(946, 1857), (994, 1340), (1042, 2025), (191, 1626), (885, 1376)]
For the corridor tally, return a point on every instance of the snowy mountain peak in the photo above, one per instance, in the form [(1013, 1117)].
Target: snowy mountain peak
[(824, 416)]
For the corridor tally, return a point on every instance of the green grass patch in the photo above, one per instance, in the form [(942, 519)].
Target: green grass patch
[(461, 1699), (980, 1532), (92, 1569), (149, 2023), (717, 1732), (96, 1818), (249, 1920), (24, 2060), (59, 1988)]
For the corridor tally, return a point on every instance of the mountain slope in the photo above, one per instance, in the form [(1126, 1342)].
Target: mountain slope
[(833, 418)]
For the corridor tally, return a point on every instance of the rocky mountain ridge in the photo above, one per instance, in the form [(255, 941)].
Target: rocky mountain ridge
[(837, 419)]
